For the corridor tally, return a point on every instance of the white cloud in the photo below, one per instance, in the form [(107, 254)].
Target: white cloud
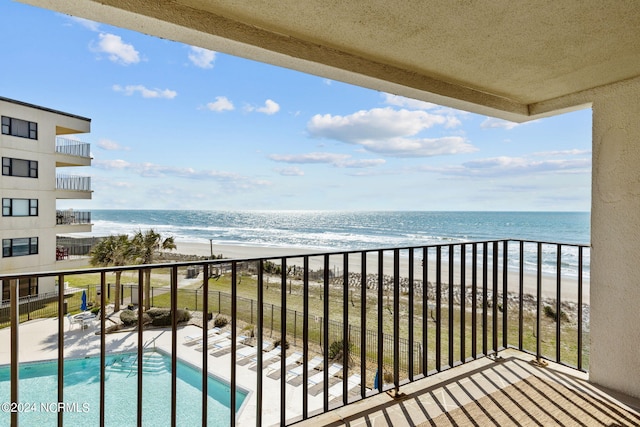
[(109, 145), (377, 123), (91, 25), (152, 170), (291, 171), (146, 93), (270, 107), (514, 166), (574, 152), (202, 58), (388, 131), (221, 103), (494, 123), (419, 147), (414, 104), (117, 50), (334, 159)]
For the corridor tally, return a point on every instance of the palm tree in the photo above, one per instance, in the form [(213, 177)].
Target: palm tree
[(146, 245), (113, 251)]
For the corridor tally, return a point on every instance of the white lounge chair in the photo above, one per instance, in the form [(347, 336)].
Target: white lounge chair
[(224, 336), (352, 382), (311, 364), (226, 343), (250, 351), (197, 339), (290, 360), (268, 355), (319, 377)]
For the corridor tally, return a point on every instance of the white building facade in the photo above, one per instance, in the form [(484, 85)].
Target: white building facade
[(33, 152)]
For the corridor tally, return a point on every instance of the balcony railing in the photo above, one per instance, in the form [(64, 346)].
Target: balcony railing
[(73, 183), (389, 316), (73, 148), (68, 217)]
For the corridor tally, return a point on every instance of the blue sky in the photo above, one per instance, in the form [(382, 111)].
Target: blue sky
[(177, 127)]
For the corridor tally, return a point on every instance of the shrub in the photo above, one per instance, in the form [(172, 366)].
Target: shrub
[(95, 309), (550, 312), (220, 322), (162, 316), (249, 331), (128, 317), (336, 351)]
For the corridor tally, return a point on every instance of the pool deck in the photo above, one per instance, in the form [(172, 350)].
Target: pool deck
[(38, 341)]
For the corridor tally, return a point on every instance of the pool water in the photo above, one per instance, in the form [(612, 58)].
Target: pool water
[(39, 385)]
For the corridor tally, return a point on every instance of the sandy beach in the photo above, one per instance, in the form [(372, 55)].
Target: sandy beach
[(569, 285)]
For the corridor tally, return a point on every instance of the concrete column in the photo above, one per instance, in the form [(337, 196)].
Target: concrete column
[(615, 238)]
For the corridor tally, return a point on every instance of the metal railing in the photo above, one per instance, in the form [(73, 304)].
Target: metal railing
[(390, 315), (67, 217), (74, 183), (72, 147)]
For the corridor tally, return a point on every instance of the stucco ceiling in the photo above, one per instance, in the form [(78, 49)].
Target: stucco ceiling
[(512, 59)]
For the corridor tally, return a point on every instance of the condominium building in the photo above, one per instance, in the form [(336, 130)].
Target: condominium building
[(33, 146)]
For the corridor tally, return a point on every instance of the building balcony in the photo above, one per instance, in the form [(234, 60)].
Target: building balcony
[(72, 153), (70, 221), (407, 334), (73, 187)]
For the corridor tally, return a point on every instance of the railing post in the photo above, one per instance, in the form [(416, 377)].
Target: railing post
[(494, 298), (438, 308), (463, 297), (174, 343), (283, 342), (539, 360), (325, 320), (451, 308), (15, 363), (260, 318), (380, 320), (410, 355), (363, 324), (580, 307), (425, 311), (346, 338), (558, 299), (234, 325), (396, 321), (60, 345), (305, 335), (521, 297)]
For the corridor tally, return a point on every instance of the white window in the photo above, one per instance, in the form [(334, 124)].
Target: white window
[(21, 128), (19, 207)]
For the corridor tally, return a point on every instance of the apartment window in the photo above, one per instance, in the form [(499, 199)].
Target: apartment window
[(19, 247), (21, 128), (19, 207), (26, 287), (19, 167)]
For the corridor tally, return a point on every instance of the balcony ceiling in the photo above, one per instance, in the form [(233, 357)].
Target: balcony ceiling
[(515, 60)]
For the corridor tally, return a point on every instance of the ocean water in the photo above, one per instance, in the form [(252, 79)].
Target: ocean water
[(332, 230), (335, 231)]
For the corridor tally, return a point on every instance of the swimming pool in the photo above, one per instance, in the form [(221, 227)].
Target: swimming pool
[(39, 385)]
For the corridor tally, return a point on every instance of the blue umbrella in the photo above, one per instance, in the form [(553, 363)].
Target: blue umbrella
[(83, 306)]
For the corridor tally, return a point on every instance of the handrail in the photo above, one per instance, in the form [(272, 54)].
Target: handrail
[(73, 147), (146, 344), (482, 316)]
